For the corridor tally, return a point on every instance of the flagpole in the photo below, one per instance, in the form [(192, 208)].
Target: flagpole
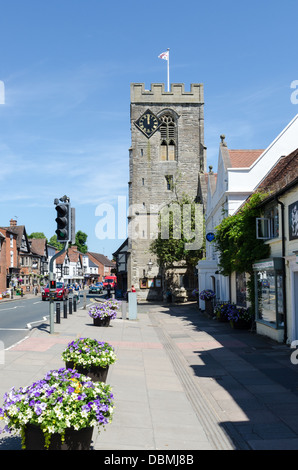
[(168, 69)]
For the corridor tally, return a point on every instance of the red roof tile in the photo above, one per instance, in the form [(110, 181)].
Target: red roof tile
[(243, 158)]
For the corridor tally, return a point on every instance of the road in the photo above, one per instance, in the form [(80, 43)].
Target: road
[(18, 317)]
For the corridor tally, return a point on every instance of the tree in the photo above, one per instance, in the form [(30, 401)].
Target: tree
[(37, 235), (81, 239), (181, 233), (53, 241)]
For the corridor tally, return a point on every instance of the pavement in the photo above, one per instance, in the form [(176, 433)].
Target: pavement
[(182, 381)]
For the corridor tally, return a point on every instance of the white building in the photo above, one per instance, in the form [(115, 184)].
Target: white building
[(239, 173)]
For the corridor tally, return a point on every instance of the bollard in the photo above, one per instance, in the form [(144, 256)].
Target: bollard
[(132, 306), (70, 307), (64, 309), (58, 312), (123, 309), (85, 301), (74, 304), (22, 293)]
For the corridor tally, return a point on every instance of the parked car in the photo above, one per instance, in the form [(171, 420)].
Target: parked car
[(61, 292), (95, 289)]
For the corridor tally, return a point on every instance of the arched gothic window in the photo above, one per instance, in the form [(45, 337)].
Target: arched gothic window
[(167, 138)]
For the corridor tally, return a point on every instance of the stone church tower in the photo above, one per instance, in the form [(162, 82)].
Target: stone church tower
[(166, 159)]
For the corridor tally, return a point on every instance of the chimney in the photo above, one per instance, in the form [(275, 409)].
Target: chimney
[(13, 222)]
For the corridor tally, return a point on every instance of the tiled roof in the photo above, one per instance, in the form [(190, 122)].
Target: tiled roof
[(38, 245), (101, 259), (243, 158), (60, 258), (284, 172)]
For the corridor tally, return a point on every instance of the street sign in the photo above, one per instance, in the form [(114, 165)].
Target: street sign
[(210, 237)]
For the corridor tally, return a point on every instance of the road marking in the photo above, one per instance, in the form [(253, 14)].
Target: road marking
[(13, 329), (12, 308), (13, 345), (29, 325)]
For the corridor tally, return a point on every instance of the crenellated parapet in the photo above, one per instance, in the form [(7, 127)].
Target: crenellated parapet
[(157, 93)]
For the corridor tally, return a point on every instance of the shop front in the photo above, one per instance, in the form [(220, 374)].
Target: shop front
[(270, 298)]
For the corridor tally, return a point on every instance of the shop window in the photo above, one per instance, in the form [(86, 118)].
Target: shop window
[(269, 285)]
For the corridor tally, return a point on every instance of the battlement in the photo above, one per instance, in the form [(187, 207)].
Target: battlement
[(157, 93)]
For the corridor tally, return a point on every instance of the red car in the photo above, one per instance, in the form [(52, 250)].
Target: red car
[(61, 292), (112, 280)]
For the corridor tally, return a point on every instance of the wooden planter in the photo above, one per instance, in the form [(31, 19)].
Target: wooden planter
[(209, 307), (96, 373), (74, 440), (101, 321)]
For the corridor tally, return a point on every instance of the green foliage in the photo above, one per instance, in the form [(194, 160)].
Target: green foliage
[(236, 241), (37, 235), (81, 239), (53, 242), (174, 247)]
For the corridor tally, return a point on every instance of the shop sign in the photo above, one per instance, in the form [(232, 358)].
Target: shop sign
[(264, 265), (293, 221)]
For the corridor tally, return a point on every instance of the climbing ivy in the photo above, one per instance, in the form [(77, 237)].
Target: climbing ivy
[(236, 242)]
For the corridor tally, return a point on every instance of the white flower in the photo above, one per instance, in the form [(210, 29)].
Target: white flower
[(13, 410)]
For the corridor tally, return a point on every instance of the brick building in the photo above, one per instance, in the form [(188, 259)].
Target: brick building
[(9, 270), (105, 266)]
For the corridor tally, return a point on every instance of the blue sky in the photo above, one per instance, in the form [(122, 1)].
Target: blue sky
[(67, 66)]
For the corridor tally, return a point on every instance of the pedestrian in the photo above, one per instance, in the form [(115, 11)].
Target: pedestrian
[(133, 289), (77, 292), (108, 291)]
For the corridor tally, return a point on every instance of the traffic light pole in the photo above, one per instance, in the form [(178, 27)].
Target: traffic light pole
[(51, 276)]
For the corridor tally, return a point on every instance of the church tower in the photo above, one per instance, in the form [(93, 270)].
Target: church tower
[(166, 158)]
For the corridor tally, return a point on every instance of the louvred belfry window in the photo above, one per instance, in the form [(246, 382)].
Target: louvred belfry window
[(167, 138)]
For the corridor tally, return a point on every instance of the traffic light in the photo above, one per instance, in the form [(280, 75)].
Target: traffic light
[(63, 221)]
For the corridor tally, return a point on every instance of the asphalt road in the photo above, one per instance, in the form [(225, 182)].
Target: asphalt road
[(18, 317)]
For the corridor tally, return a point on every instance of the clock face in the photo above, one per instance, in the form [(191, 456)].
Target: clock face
[(148, 123)]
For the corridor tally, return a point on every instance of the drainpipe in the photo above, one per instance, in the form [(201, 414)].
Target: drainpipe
[(284, 270)]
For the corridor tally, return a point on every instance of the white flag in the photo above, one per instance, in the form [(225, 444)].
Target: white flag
[(164, 55)]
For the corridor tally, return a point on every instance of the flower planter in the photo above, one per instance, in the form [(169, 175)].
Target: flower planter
[(240, 324), (222, 318), (59, 411), (96, 373), (101, 321), (89, 357), (209, 307), (73, 440)]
